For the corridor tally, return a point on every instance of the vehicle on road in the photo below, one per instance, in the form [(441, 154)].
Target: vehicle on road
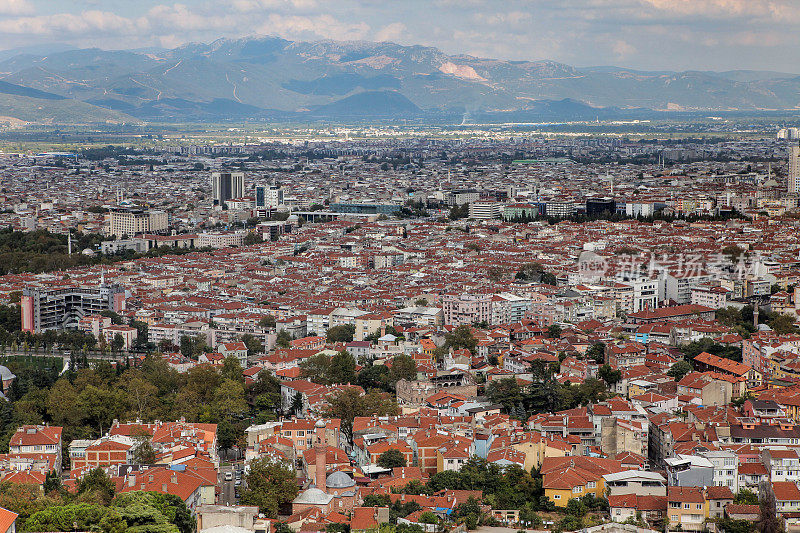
[(228, 476)]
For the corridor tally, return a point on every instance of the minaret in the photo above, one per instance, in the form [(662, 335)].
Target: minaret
[(319, 448)]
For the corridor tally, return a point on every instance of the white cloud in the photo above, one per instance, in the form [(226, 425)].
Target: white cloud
[(68, 25), (250, 6), (391, 32), (650, 34), (316, 27), (16, 7)]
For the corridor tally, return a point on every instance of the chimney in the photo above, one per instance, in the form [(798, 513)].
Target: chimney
[(131, 480), (163, 487), (321, 460)]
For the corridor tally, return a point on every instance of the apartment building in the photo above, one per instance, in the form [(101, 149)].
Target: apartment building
[(221, 239), (686, 508), (130, 222), (38, 440), (466, 309)]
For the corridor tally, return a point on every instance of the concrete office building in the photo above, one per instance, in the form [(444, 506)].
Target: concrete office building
[(269, 196), (461, 197), (485, 210), (600, 206), (63, 308), (226, 185), (132, 222)]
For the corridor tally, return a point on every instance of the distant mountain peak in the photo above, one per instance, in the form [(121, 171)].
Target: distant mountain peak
[(268, 77)]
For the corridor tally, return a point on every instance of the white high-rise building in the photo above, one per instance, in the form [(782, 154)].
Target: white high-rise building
[(794, 169), (226, 186), (269, 196)]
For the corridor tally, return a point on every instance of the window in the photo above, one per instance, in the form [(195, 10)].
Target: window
[(685, 505), (556, 496), (591, 485), (698, 506)]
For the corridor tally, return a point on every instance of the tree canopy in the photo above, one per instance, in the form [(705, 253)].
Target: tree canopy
[(270, 486)]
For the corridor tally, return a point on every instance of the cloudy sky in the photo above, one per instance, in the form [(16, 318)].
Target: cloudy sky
[(644, 34)]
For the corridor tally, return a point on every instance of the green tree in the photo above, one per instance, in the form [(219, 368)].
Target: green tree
[(769, 522), (554, 331), (228, 401), (729, 525), (142, 395), (373, 377), (232, 369), (461, 337), (342, 368), (114, 316), (316, 368), (143, 451), (597, 352), (98, 486), (254, 345), (343, 333), (270, 485), (52, 483), (62, 404), (193, 346), (403, 367), (252, 238), (118, 342), (782, 324), (746, 497), (609, 375), (284, 339), (99, 406), (349, 403), (506, 392), (268, 322), (428, 518), (679, 370), (391, 458), (297, 403)]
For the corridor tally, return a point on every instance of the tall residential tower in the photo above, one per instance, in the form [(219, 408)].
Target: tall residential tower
[(226, 186), (794, 168)]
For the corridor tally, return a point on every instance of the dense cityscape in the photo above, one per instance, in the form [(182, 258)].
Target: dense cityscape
[(295, 266), (414, 333)]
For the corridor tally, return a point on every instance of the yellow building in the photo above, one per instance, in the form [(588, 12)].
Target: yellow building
[(574, 477), (538, 448), (687, 508)]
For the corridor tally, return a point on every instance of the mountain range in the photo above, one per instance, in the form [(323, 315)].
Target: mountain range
[(269, 78)]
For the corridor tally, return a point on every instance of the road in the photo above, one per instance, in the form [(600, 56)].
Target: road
[(227, 495)]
